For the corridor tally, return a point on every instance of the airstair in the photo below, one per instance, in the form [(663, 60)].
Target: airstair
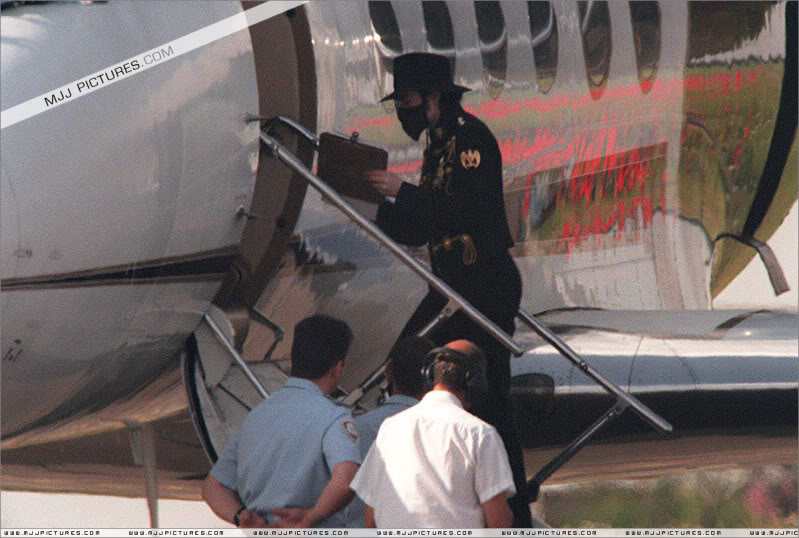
[(223, 387)]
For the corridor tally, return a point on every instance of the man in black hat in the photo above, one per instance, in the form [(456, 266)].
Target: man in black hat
[(458, 211)]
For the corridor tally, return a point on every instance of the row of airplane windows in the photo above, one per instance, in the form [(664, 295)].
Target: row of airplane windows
[(595, 29)]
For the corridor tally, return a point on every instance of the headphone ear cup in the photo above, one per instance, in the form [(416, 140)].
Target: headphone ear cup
[(430, 360), (427, 373), (473, 377)]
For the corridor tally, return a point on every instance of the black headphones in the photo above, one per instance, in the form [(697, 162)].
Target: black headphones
[(473, 371)]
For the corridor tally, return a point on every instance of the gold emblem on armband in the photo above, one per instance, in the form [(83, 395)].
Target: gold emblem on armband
[(470, 158)]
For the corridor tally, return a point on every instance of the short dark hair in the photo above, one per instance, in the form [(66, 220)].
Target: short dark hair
[(407, 359), (454, 368), (320, 341)]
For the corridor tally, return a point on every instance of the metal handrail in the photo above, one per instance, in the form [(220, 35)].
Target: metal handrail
[(279, 332), (238, 358), (454, 299), (439, 285), (534, 484), (642, 410), (299, 129), (455, 302)]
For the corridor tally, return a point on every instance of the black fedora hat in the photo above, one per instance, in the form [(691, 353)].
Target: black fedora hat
[(422, 71)]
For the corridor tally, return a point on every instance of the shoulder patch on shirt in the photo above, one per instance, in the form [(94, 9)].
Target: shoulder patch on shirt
[(470, 158), (350, 429)]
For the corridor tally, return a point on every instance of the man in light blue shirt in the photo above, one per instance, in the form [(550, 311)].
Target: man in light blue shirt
[(404, 373), (296, 452)]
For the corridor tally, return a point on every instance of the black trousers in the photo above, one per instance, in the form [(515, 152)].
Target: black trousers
[(497, 295)]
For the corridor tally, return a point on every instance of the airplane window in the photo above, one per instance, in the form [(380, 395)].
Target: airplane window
[(438, 25), (385, 26), (646, 35), (544, 35), (493, 44), (595, 31)]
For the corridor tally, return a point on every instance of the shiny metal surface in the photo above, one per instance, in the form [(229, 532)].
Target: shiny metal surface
[(598, 191), (127, 166), (624, 399), (235, 354), (613, 202), (704, 372), (128, 196)]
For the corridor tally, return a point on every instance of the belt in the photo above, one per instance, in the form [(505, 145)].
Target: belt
[(469, 250)]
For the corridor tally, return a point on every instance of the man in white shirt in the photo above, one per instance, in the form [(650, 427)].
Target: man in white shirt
[(436, 465)]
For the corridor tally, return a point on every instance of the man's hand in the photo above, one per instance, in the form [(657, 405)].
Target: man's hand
[(369, 517), (249, 519), (293, 518), (497, 512), (385, 182), (225, 502)]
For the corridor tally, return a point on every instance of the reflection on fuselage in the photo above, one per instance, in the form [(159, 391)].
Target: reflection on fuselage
[(614, 198)]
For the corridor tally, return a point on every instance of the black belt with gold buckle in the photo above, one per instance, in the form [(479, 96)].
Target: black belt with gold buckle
[(469, 250)]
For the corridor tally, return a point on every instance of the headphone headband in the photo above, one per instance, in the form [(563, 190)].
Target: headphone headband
[(446, 354)]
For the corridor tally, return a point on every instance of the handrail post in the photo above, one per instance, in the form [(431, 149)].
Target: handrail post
[(238, 358), (279, 333), (534, 484)]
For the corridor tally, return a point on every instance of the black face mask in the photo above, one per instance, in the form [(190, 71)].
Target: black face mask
[(413, 120)]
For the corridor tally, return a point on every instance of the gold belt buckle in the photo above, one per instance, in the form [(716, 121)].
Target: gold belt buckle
[(469, 250)]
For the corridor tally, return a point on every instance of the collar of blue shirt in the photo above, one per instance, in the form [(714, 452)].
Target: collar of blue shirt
[(401, 399), (300, 383)]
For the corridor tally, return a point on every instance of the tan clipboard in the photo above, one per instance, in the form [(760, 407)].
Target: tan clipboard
[(342, 162)]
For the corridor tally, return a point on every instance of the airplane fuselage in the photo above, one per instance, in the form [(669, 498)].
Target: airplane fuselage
[(630, 139)]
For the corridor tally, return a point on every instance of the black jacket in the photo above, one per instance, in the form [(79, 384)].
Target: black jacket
[(460, 193)]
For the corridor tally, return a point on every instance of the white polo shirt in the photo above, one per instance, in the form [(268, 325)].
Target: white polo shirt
[(433, 466)]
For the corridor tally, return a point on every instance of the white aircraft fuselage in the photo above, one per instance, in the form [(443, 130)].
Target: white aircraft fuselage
[(632, 136)]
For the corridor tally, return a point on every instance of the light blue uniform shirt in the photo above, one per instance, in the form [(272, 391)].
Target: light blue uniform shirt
[(368, 425), (285, 450)]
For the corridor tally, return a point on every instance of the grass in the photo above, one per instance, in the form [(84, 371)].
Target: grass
[(761, 497)]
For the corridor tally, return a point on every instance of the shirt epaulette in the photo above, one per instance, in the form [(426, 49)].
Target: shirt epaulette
[(340, 406)]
